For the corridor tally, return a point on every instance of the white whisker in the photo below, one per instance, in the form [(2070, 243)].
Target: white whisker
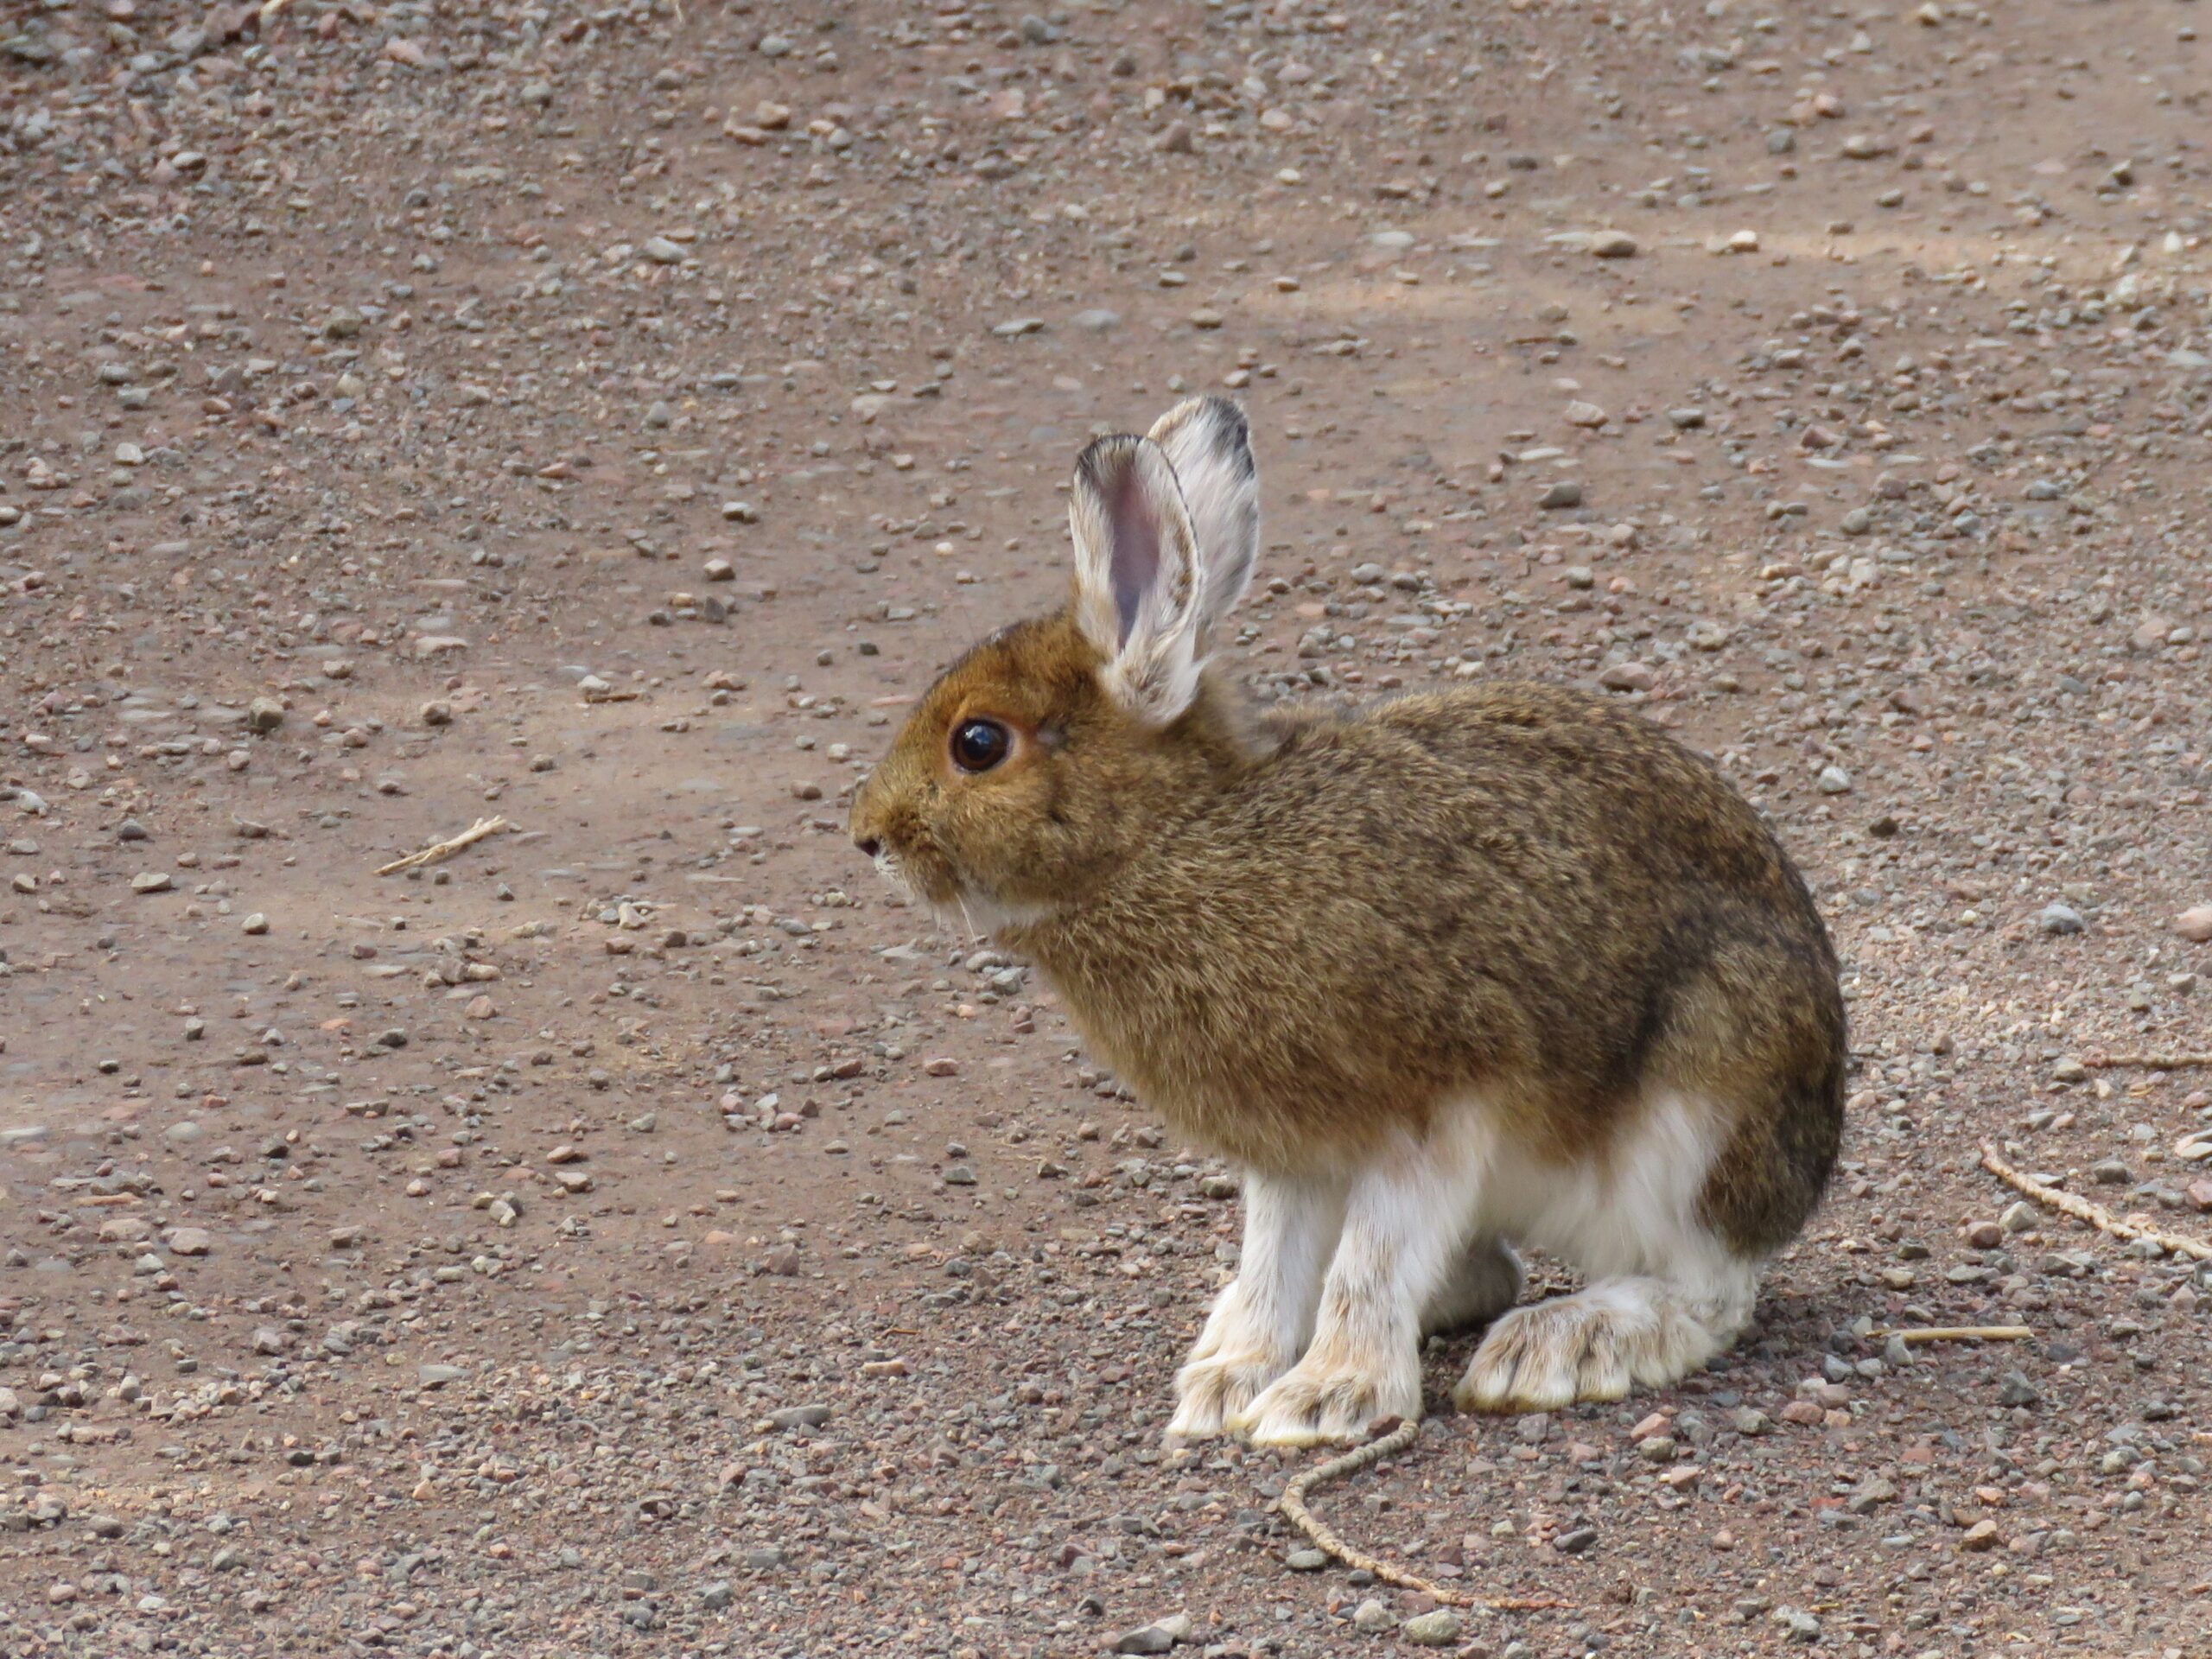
[(972, 917)]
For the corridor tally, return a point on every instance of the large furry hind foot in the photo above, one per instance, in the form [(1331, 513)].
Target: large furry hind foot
[(1320, 1400), (1598, 1344), (1211, 1391)]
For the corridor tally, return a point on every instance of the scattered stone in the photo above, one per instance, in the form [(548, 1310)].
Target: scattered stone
[(2152, 632), (1372, 1617), (789, 1417), (1870, 1495), (1156, 1638), (1438, 1628), (1797, 1625)]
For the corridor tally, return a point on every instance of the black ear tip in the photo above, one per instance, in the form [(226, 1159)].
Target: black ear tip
[(1232, 431), (1229, 416)]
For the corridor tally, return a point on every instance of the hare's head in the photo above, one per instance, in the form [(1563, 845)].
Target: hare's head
[(1031, 770)]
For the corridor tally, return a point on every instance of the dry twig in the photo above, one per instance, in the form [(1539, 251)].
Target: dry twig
[(446, 849), (2081, 1210), (1919, 1333), (2147, 1062), (1293, 1504)]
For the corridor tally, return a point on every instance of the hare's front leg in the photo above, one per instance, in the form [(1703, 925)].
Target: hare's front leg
[(1263, 1317), (1404, 1223)]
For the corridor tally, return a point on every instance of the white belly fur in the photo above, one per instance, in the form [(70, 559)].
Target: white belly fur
[(1632, 1211)]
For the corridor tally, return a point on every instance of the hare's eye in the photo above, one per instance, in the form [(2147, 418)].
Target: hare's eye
[(979, 745)]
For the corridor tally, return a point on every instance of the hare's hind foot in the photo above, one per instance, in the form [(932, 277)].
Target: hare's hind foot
[(1617, 1335)]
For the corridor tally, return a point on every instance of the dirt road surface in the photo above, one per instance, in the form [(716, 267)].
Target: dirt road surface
[(638, 1233)]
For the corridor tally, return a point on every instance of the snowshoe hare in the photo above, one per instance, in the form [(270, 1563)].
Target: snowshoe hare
[(1446, 975)]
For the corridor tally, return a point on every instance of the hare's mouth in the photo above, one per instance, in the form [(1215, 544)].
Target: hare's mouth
[(927, 878), (888, 867)]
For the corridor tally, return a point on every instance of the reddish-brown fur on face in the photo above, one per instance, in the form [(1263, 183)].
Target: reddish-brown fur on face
[(1291, 934), (1053, 821)]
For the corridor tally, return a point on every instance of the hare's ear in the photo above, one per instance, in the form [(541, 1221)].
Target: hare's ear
[(1211, 448), (1136, 576)]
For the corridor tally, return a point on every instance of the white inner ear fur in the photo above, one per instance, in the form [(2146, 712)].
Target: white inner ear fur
[(1136, 576), (1165, 530)]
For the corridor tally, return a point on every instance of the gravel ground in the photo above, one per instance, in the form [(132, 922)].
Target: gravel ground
[(639, 1233)]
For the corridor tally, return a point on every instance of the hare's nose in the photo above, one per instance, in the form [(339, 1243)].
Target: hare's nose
[(869, 845)]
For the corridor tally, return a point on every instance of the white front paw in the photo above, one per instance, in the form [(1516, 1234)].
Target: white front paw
[(1325, 1398), (1212, 1389)]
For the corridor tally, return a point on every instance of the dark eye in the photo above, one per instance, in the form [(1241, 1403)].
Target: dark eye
[(979, 745)]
